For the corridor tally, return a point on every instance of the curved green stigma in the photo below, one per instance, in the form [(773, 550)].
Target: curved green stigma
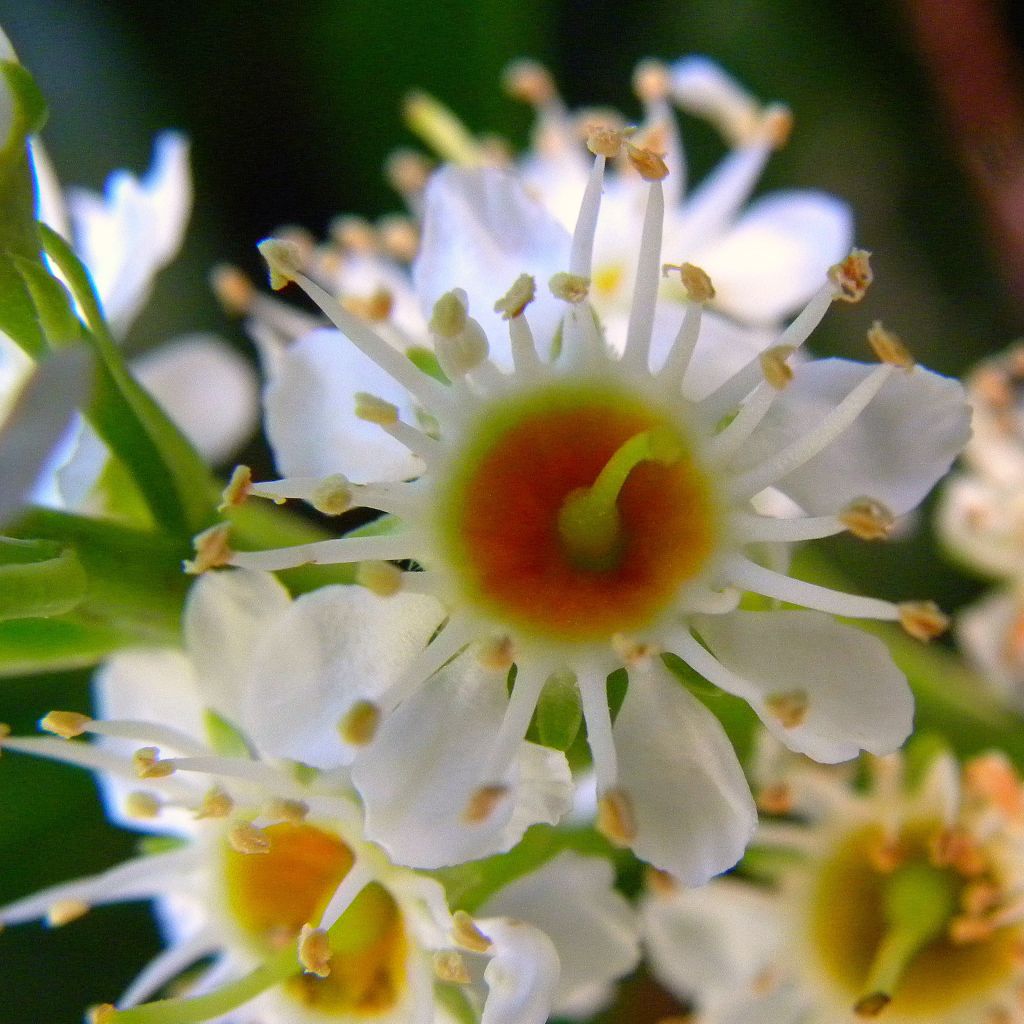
[(920, 900), (588, 522)]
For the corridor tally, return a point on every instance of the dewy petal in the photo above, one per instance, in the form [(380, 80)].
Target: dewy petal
[(480, 232), (693, 809), (856, 697), (311, 423), (594, 929), (331, 648), (134, 229), (894, 452), (431, 755), (776, 255), (207, 388), (226, 615), (522, 975)]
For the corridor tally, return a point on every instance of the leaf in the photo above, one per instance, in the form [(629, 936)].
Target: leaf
[(52, 584)]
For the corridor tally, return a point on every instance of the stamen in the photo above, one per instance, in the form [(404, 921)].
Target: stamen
[(233, 289), (293, 811), (645, 288), (358, 878), (588, 521), (466, 933), (496, 654), (167, 965), (525, 693), (69, 724), (852, 276), (455, 635), (65, 911), (777, 371), (789, 708), (889, 348), (237, 490), (753, 528), (696, 281), (582, 250), (246, 838), (142, 805), (868, 519), (483, 803), (450, 967), (530, 82), (512, 304), (360, 723), (615, 818), (380, 578), (375, 308), (399, 235), (66, 724), (101, 1014), (459, 341), (594, 698), (407, 172), (776, 799), (923, 620), (213, 550), (441, 130), (390, 547), (569, 287), (148, 764), (375, 410), (217, 803), (315, 953), (677, 362)]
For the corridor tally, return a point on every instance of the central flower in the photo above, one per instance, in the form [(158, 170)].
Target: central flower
[(575, 512)]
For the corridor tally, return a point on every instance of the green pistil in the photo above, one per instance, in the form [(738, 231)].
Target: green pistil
[(920, 900), (589, 523)]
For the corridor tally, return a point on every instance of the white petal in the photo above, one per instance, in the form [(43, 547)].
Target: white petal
[(480, 232), (989, 632), (207, 388), (226, 615), (332, 647), (523, 973), (895, 451), (776, 255), (982, 524), (594, 929), (857, 698), (134, 229), (431, 755), (310, 413), (693, 809)]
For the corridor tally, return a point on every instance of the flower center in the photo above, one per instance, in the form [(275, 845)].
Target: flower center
[(883, 935), (273, 894), (578, 512)]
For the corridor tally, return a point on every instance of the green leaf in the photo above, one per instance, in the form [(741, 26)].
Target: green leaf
[(54, 306), (72, 641), (49, 585), (559, 712)]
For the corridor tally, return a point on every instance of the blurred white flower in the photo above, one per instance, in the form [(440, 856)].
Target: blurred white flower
[(580, 508)]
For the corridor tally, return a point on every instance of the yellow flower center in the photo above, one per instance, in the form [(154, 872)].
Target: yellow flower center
[(273, 894), (578, 512)]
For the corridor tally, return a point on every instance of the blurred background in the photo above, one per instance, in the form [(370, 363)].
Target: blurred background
[(912, 112)]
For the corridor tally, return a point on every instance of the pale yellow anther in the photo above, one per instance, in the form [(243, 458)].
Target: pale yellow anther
[(569, 287), (483, 803), (216, 804), (604, 140), (591, 119), (633, 652), (359, 725), (651, 80), (235, 292), (649, 165), (696, 281), (530, 82), (315, 952), (496, 654), (65, 911), (923, 620), (375, 410), (332, 496), (105, 1013), (517, 298), (66, 724), (868, 519), (852, 276), (147, 764), (245, 837), (399, 237), (238, 489), (777, 371), (957, 849), (375, 308), (213, 550), (661, 882), (789, 707), (979, 898), (450, 966), (776, 799), (284, 261), (889, 348), (615, 818), (466, 934), (407, 171), (380, 578), (139, 804), (776, 125), (353, 233), (292, 811), (449, 316)]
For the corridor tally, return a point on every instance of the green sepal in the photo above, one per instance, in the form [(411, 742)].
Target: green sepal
[(224, 736), (38, 579), (426, 360), (559, 712), (54, 306)]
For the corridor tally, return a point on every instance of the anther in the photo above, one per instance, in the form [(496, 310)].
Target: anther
[(923, 620), (216, 804), (776, 125), (235, 292), (375, 308), (530, 82), (650, 165), (615, 818), (375, 410), (968, 929), (872, 1005), (776, 370), (776, 799), (696, 281), (332, 495), (979, 898), (66, 724), (450, 966), (360, 723), (5, 731), (148, 765), (889, 348), (868, 519), (852, 276), (661, 882), (380, 578), (212, 550), (496, 654), (139, 804), (292, 811), (517, 298), (407, 171), (465, 933), (284, 261), (569, 287), (247, 838), (483, 803), (353, 233), (633, 653), (604, 140), (315, 951), (887, 854), (399, 237), (104, 1013), (65, 911), (651, 80), (789, 708), (238, 489)]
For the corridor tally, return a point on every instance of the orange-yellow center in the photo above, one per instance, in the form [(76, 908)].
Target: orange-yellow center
[(272, 895), (499, 517)]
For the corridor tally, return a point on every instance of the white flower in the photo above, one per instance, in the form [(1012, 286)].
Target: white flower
[(271, 853), (906, 901), (584, 511)]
